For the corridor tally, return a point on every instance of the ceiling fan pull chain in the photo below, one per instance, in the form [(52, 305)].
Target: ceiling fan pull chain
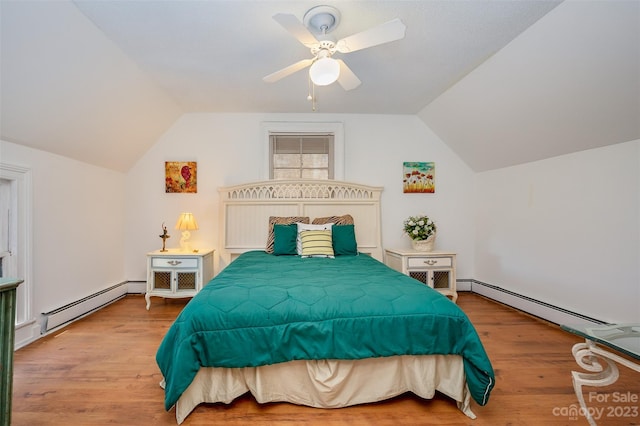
[(313, 96)]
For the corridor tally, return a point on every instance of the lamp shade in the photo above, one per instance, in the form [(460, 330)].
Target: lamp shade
[(186, 222), (324, 71)]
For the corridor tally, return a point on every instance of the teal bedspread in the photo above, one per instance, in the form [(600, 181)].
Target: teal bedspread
[(264, 309)]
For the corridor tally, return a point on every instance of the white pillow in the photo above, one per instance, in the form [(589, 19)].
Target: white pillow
[(309, 227)]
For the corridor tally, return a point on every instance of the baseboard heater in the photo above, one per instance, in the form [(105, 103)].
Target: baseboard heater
[(82, 307), (529, 305), (72, 311)]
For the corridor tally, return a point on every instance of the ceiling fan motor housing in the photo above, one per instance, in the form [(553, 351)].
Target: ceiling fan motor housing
[(324, 46)]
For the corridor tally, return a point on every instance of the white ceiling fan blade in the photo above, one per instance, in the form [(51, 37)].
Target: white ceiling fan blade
[(384, 33), (296, 28), (272, 78), (347, 79)]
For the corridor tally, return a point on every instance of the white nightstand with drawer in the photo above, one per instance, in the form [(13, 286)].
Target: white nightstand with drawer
[(437, 269), (176, 273)]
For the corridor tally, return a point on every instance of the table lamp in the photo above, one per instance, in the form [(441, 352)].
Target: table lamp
[(186, 222)]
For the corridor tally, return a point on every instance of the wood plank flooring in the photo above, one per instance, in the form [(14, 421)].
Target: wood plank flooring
[(101, 370)]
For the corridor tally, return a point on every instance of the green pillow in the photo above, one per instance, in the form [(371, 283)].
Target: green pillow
[(344, 240), (285, 239)]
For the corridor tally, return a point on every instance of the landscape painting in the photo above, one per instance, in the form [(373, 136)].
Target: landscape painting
[(419, 177)]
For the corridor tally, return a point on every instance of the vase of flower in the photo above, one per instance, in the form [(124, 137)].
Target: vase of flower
[(422, 232), (424, 245)]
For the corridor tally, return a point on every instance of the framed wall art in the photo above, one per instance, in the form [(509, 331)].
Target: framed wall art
[(181, 176), (419, 177)]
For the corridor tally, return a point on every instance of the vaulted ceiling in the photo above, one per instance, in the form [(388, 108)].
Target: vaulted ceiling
[(501, 82)]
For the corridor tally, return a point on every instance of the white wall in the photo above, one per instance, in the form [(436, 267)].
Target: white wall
[(565, 231), (77, 230), (229, 150)]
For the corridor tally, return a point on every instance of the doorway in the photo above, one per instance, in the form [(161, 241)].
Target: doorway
[(15, 231)]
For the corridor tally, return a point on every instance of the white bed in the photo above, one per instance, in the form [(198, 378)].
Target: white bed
[(244, 214), (245, 211)]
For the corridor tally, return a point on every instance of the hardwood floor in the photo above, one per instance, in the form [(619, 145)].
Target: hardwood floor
[(101, 370)]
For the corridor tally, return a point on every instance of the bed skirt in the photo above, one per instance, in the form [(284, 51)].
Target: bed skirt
[(331, 383)]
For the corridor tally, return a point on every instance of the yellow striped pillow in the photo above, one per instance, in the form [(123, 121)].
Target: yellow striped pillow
[(316, 243)]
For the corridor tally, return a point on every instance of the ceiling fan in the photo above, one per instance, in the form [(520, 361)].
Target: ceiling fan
[(325, 70)]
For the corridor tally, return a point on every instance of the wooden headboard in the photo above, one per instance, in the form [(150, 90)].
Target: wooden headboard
[(245, 211)]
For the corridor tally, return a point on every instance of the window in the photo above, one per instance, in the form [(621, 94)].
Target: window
[(318, 146), (306, 156)]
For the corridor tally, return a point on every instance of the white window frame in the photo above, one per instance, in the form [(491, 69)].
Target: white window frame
[(278, 127)]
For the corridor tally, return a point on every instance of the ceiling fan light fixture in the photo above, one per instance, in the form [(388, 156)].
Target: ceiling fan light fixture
[(324, 71)]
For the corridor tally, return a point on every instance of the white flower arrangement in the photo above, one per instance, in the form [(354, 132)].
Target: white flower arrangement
[(419, 227)]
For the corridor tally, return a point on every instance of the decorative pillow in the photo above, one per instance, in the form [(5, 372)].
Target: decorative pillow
[(284, 239), (344, 240), (283, 220), (346, 219), (308, 227), (316, 244)]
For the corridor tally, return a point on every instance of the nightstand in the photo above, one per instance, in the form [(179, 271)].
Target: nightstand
[(437, 269), (176, 273)]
